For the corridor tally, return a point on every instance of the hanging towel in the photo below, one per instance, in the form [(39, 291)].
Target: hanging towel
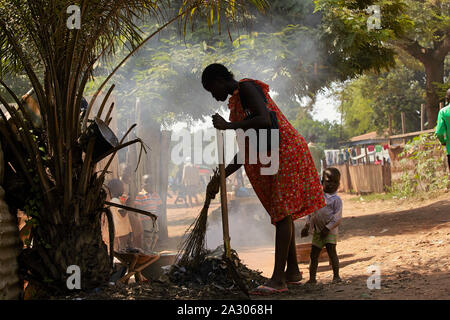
[(378, 148), (370, 148), (386, 146)]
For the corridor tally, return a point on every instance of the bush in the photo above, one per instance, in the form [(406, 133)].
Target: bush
[(430, 171)]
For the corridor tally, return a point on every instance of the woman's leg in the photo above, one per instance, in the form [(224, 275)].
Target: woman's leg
[(314, 263), (282, 242), (292, 272), (331, 249)]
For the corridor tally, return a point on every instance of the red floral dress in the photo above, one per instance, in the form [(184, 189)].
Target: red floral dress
[(295, 189)]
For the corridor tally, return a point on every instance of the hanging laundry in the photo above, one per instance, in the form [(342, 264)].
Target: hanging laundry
[(386, 147), (378, 148), (370, 148), (341, 158), (329, 157)]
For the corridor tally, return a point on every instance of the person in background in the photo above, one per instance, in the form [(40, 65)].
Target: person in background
[(191, 181), (122, 226), (149, 200), (179, 187), (378, 161), (443, 126), (127, 198), (324, 224)]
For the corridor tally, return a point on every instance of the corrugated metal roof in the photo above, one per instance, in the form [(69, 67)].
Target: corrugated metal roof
[(9, 250)]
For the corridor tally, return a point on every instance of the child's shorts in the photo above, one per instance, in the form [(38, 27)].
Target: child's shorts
[(321, 242)]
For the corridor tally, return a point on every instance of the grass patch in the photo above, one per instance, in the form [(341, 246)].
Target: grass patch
[(420, 196), (374, 197)]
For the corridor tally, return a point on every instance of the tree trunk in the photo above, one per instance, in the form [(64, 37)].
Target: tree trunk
[(434, 71), (164, 176)]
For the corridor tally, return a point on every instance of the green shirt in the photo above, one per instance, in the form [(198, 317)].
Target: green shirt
[(443, 127)]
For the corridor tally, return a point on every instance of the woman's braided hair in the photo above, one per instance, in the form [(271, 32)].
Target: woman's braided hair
[(331, 180)]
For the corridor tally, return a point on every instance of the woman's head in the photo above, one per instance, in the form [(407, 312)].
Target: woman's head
[(215, 79), (331, 180), (115, 186)]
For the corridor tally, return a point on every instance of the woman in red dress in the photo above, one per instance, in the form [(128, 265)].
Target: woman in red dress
[(292, 192)]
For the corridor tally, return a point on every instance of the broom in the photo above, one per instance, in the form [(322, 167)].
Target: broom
[(193, 248)]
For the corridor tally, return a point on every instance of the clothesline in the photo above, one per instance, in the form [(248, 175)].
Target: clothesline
[(342, 155)]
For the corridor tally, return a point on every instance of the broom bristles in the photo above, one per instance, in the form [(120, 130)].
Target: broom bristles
[(193, 247)]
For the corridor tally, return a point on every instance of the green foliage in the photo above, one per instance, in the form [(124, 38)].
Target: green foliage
[(419, 28), (355, 107), (431, 21), (400, 90), (429, 172), (326, 134), (354, 48), (368, 101)]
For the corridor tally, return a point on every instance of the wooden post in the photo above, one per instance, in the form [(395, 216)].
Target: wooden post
[(165, 151), (390, 128), (367, 154), (403, 126), (347, 174), (403, 123), (422, 117)]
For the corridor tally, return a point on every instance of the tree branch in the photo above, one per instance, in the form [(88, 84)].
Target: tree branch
[(443, 48), (413, 48)]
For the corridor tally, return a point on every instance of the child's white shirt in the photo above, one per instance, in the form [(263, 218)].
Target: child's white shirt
[(329, 216)]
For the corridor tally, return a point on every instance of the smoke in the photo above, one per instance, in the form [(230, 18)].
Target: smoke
[(160, 86), (249, 226)]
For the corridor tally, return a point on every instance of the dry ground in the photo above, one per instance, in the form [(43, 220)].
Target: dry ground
[(408, 239)]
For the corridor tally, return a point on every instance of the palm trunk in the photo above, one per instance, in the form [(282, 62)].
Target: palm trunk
[(60, 246)]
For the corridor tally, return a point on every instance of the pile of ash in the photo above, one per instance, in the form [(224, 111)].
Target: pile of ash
[(212, 273), (210, 279)]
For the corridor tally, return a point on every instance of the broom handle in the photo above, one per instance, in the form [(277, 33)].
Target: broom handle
[(223, 194)]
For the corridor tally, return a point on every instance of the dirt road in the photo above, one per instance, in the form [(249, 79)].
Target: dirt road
[(408, 240)]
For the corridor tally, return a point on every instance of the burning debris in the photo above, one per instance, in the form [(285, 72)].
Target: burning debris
[(213, 273), (210, 280)]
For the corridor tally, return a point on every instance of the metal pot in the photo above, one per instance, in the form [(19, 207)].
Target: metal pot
[(154, 271), (105, 140)]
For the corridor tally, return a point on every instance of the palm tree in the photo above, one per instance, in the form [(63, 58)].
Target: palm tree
[(64, 195)]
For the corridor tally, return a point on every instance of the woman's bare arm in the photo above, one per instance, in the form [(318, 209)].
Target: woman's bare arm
[(252, 99)]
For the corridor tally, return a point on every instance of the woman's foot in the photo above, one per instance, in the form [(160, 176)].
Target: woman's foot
[(292, 277), (276, 284), (311, 282), (265, 291), (337, 280)]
